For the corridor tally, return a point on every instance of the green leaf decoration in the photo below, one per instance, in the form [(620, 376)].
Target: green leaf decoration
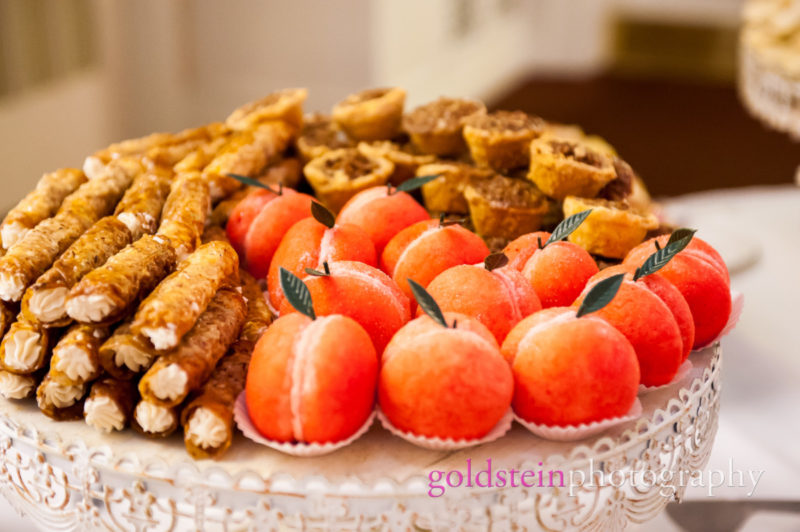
[(567, 226), (317, 273), (662, 256), (297, 293), (495, 260), (322, 214), (255, 183), (414, 183), (600, 295), (427, 303)]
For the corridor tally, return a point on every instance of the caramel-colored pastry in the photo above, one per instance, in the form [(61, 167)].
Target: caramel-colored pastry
[(339, 175), (185, 211), (284, 105), (446, 194), (140, 207), (110, 403), (61, 402), (371, 114), (558, 130), (196, 160), (154, 421), (612, 229), (75, 359), (621, 186), (25, 348), (125, 355), (562, 168), (436, 127), (501, 140), (505, 207), (319, 136), (405, 160)]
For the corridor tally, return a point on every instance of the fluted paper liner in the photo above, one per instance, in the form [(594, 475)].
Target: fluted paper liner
[(245, 425), (582, 431), (683, 372), (448, 444)]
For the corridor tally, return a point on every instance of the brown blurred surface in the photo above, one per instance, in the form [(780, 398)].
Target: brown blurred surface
[(679, 136)]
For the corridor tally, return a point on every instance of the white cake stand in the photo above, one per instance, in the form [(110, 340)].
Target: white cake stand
[(65, 476)]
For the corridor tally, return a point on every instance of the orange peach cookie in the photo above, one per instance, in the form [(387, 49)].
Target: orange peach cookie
[(446, 193), (372, 114), (244, 213), (285, 105), (505, 207), (405, 159), (562, 168), (436, 127), (319, 136), (501, 140), (339, 175)]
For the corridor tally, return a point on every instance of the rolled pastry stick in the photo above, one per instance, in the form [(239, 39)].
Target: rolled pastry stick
[(125, 355), (154, 421), (259, 316), (13, 386), (25, 347), (76, 358), (60, 402), (214, 233), (41, 203), (174, 375), (110, 403), (8, 314), (45, 301), (172, 309), (167, 156), (140, 207), (108, 293), (285, 105), (246, 153), (198, 159), (185, 211)]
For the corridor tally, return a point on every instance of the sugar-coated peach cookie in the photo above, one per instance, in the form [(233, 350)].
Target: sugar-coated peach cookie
[(700, 274), (363, 293), (268, 228), (311, 381), (309, 244), (499, 299), (559, 272), (424, 250), (677, 304), (570, 370), (443, 382), (521, 248), (382, 212), (243, 214)]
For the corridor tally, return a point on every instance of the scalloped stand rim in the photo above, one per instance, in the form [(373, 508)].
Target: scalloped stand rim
[(582, 431), (683, 371), (448, 444), (243, 422)]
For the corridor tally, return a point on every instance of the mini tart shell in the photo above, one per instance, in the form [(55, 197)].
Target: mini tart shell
[(501, 140), (319, 136), (372, 114), (332, 175), (504, 207), (405, 161), (562, 168), (436, 128), (285, 105), (612, 229), (446, 194)]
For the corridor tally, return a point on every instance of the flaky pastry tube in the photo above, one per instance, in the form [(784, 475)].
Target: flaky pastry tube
[(76, 358), (172, 309), (168, 155), (125, 355), (25, 348), (108, 293), (110, 403), (183, 218), (174, 375), (196, 160), (140, 207), (284, 105), (8, 315), (214, 233), (60, 402), (41, 203), (154, 421)]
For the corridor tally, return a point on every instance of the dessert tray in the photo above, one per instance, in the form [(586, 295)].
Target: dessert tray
[(66, 476)]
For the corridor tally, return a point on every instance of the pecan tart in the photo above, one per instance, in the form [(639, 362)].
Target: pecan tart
[(446, 194), (319, 136), (563, 168), (285, 105), (436, 127), (340, 174), (405, 159), (501, 140), (505, 207), (372, 114)]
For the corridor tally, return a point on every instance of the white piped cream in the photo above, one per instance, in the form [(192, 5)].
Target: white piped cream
[(75, 363), (132, 358), (91, 308), (50, 304), (22, 350), (169, 383), (103, 414), (206, 430), (154, 418), (61, 396), (13, 386), (162, 338)]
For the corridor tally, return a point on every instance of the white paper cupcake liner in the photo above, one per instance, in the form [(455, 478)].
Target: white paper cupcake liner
[(683, 371), (448, 444), (245, 424), (737, 305), (582, 431)]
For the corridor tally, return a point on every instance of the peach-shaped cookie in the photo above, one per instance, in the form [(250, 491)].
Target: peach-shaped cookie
[(496, 295), (424, 250), (244, 213), (268, 228), (312, 242), (701, 276), (521, 248), (559, 272), (362, 293)]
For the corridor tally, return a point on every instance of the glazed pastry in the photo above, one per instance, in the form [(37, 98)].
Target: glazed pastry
[(563, 168), (124, 355), (246, 153), (436, 127), (612, 229), (154, 421), (110, 403), (196, 160), (13, 386), (215, 233), (76, 358), (140, 207), (45, 301), (505, 207), (60, 402), (108, 293), (621, 187), (40, 204), (174, 375), (172, 309), (501, 140), (339, 175), (319, 136), (8, 314), (405, 162), (25, 348), (284, 105), (168, 155), (446, 194), (183, 218), (371, 114)]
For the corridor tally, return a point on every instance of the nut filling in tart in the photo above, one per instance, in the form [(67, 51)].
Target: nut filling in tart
[(436, 128), (562, 168), (446, 194), (319, 136), (505, 207), (286, 105), (612, 229), (372, 114), (405, 160), (341, 174), (500, 140)]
